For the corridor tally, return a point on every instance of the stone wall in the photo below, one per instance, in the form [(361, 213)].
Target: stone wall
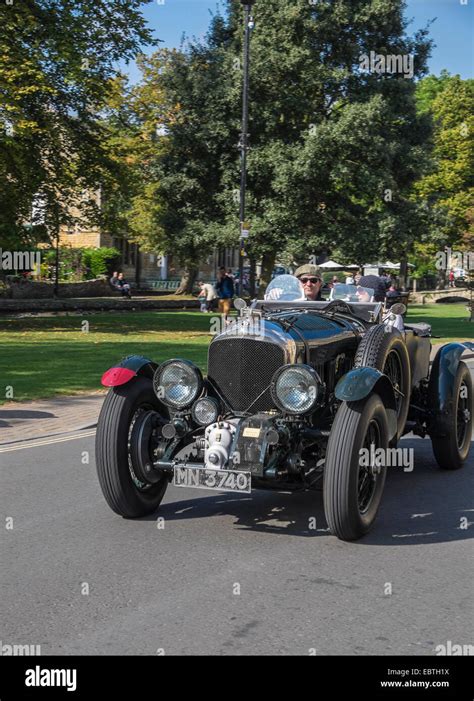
[(17, 306), (26, 289), (80, 238)]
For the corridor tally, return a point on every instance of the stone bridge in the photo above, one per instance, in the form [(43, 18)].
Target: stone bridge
[(463, 294)]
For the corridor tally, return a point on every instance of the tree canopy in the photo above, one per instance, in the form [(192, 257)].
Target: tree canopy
[(334, 149), (353, 152), (56, 61)]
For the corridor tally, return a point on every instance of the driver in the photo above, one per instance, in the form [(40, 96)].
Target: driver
[(310, 278)]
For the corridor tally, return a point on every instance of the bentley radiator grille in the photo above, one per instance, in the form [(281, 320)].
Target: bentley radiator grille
[(242, 368)]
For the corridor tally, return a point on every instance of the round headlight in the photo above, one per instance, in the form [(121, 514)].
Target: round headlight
[(177, 383), (295, 388), (205, 411)]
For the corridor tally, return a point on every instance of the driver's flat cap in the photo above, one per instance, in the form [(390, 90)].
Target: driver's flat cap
[(308, 269)]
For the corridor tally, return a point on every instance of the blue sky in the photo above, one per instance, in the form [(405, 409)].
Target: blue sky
[(453, 30)]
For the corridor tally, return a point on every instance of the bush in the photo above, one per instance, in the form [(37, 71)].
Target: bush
[(100, 261), (77, 264), (69, 264)]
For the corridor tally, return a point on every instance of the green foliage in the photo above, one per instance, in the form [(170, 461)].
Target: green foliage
[(56, 62), (100, 261), (448, 188), (76, 264), (327, 141), (340, 160), (428, 89)]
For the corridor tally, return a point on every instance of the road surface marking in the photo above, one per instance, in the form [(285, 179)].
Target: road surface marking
[(48, 441)]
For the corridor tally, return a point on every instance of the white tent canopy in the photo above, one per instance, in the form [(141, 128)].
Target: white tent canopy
[(331, 265), (387, 265)]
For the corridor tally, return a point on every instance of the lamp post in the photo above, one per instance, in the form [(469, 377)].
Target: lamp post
[(248, 25), (56, 234)]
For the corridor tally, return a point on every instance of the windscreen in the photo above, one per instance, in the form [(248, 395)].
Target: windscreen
[(352, 293), (285, 288)]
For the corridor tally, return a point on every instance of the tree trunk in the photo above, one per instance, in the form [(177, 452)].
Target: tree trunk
[(268, 263), (403, 273), (441, 281), (188, 279)]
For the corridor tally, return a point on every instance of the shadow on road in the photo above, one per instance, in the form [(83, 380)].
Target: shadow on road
[(427, 505), (6, 415)]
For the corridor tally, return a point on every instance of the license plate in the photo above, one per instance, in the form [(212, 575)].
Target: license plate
[(222, 480)]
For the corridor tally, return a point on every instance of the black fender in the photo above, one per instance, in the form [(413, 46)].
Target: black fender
[(442, 376), (127, 369), (360, 382)]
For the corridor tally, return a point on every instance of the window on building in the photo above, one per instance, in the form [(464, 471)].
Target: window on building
[(127, 249), (228, 257)]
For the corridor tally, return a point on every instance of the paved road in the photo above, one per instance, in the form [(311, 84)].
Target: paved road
[(230, 574)]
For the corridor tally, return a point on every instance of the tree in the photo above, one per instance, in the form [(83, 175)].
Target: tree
[(334, 149), (56, 62), (173, 130), (449, 187)]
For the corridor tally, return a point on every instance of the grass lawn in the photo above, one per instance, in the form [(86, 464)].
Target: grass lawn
[(449, 321), (44, 356)]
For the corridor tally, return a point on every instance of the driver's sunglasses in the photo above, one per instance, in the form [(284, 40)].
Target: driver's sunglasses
[(312, 280)]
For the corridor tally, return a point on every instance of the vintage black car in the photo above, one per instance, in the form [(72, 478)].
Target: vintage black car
[(296, 392)]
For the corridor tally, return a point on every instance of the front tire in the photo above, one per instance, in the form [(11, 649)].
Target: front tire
[(124, 493), (387, 352), (352, 492), (452, 441)]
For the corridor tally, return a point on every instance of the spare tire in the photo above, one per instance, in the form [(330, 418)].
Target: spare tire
[(387, 352)]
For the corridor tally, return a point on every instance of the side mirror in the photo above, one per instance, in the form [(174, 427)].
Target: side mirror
[(398, 308)]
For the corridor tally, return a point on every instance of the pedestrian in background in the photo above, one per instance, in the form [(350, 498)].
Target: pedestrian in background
[(225, 291), (207, 296)]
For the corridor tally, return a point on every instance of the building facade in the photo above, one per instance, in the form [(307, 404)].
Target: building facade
[(144, 268)]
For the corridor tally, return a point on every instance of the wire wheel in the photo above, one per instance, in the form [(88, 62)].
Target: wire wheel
[(368, 473), (142, 486), (393, 370)]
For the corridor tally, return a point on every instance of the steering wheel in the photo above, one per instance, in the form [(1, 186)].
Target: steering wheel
[(338, 305)]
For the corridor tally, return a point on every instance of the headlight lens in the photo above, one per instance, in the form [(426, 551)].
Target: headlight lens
[(205, 411), (177, 383), (295, 388)]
